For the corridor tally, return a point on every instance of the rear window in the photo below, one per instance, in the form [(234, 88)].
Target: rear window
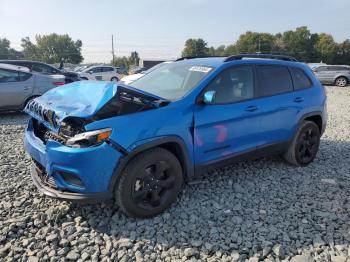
[(274, 80), (300, 79)]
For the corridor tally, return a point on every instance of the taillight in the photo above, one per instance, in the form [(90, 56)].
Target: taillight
[(58, 83)]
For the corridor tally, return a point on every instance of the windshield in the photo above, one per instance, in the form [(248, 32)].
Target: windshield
[(172, 81)]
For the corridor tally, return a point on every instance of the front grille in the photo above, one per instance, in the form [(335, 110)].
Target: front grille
[(44, 177), (42, 132)]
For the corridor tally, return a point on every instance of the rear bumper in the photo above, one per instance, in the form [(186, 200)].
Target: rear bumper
[(62, 195)]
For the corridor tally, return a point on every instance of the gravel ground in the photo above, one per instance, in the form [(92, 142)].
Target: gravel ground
[(259, 210)]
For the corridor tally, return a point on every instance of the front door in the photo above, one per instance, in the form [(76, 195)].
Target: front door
[(227, 126)]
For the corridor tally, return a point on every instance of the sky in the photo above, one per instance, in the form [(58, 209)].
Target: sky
[(157, 29)]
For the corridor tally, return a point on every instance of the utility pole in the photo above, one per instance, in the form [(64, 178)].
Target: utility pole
[(112, 50)]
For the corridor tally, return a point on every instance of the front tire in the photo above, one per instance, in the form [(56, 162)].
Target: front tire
[(304, 146), (149, 184), (341, 81)]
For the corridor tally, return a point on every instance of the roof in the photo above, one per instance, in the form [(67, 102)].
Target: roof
[(14, 67), (218, 61)]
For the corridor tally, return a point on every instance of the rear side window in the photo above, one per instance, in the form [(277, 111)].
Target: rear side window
[(274, 80), (300, 79), (339, 68), (107, 69), (7, 76), (24, 76)]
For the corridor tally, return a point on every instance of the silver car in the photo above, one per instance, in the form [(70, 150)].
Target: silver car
[(18, 86), (338, 75)]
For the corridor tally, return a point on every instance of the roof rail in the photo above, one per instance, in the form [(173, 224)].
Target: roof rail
[(260, 56), (193, 57)]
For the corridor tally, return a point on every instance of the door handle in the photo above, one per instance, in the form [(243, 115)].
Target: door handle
[(251, 108), (26, 88), (298, 99)]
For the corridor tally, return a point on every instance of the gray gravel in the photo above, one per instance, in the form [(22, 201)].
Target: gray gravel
[(260, 210)]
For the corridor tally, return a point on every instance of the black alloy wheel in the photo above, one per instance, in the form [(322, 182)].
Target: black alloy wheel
[(304, 147), (149, 184)]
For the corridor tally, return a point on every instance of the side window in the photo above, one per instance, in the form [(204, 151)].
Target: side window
[(24, 76), (107, 69), (7, 76), (320, 69), (95, 70), (43, 69), (300, 79), (274, 80), (233, 85)]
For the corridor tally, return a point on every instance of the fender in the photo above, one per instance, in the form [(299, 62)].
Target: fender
[(309, 114), (187, 164)]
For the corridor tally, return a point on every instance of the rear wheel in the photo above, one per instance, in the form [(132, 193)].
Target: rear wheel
[(149, 184), (304, 147), (341, 81), (115, 79)]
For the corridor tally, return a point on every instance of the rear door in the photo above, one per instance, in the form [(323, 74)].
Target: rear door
[(277, 104), (324, 74), (96, 73), (227, 126), (107, 73), (15, 88)]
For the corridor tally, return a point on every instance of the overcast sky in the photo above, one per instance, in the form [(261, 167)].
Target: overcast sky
[(159, 28)]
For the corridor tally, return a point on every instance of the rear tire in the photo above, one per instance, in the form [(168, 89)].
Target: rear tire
[(149, 184), (115, 79), (304, 147), (341, 81)]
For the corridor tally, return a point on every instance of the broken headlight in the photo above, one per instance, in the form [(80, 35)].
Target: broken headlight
[(90, 138)]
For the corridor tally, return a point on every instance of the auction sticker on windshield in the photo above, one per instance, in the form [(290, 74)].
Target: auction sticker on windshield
[(202, 69)]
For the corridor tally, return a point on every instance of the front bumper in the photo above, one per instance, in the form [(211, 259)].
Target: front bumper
[(62, 195), (92, 167)]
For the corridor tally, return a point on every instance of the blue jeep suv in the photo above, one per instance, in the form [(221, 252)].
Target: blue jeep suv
[(139, 144)]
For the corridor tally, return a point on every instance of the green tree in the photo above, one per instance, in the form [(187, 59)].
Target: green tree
[(134, 58), (53, 48), (6, 52), (343, 53), (253, 42), (300, 43), (195, 47), (126, 62), (326, 48)]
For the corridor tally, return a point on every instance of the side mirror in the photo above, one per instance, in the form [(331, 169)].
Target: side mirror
[(208, 97)]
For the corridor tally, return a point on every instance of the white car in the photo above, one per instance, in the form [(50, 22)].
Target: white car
[(18, 86), (127, 80), (101, 72)]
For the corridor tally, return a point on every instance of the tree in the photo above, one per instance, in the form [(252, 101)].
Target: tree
[(326, 48), (6, 52), (343, 53), (195, 47), (134, 58), (300, 43), (252, 42), (126, 62), (53, 48)]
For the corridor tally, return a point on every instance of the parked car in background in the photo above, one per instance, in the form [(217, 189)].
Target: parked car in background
[(136, 70), (101, 72), (338, 75), (43, 68), (138, 144), (127, 80), (18, 86)]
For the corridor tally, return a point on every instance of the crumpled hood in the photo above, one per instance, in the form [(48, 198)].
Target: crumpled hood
[(81, 99)]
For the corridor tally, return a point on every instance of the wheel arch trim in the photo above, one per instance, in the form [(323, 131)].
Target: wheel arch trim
[(156, 142)]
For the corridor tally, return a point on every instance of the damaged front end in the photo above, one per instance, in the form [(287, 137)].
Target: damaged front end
[(62, 114)]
